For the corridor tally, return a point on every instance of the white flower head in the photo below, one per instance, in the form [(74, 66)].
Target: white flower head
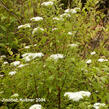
[(50, 3), (85, 93), (67, 10), (92, 53), (15, 95), (24, 26), (57, 56), (15, 63), (73, 45), (72, 11), (27, 47), (1, 75), (54, 29), (73, 96), (98, 105), (35, 45), (102, 60), (77, 8), (76, 96), (29, 56), (22, 65), (12, 73), (58, 19), (36, 19), (65, 15), (89, 61), (3, 56), (5, 63), (36, 106), (70, 33), (37, 29)]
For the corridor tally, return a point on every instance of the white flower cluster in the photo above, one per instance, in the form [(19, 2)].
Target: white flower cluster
[(54, 29), (15, 63), (37, 29), (29, 56), (73, 11), (99, 60), (76, 96), (70, 11), (73, 45), (12, 73), (102, 60), (36, 106), (22, 65), (65, 15), (15, 95), (5, 62), (89, 61), (93, 53), (56, 56), (98, 105), (1, 75), (27, 47), (3, 56), (24, 26), (70, 33), (50, 3), (35, 45), (36, 19)]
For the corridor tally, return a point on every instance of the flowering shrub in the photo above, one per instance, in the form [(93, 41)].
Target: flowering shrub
[(62, 60)]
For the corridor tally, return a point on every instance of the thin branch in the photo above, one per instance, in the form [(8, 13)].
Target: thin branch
[(2, 4)]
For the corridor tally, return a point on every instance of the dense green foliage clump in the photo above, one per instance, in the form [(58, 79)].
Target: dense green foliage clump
[(46, 51)]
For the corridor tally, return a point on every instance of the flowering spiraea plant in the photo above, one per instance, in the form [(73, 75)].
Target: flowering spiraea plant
[(54, 61)]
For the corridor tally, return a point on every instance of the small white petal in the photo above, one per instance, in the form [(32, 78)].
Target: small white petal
[(54, 29), (29, 56), (3, 56), (65, 15), (73, 11), (5, 63), (73, 45), (50, 3), (36, 106), (35, 45), (76, 96), (89, 61), (36, 19), (70, 33), (24, 26), (22, 65), (98, 105), (102, 60), (12, 73), (1, 75), (92, 53), (15, 95), (27, 47), (37, 29), (15, 63), (57, 56), (67, 10)]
